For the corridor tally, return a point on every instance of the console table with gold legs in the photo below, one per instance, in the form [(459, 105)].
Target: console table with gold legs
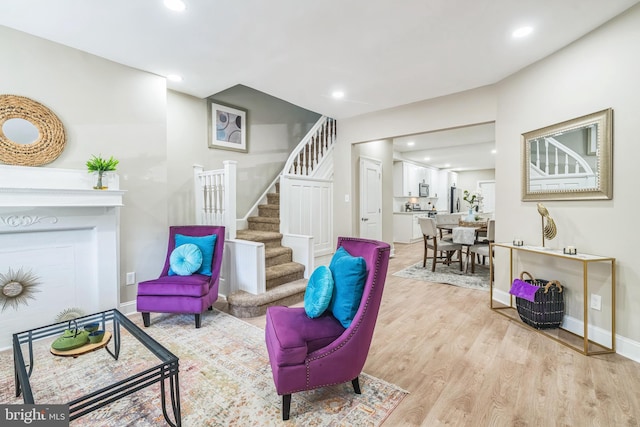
[(579, 343)]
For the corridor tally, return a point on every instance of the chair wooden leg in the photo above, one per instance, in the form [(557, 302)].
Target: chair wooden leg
[(356, 385), (286, 406), (146, 319), (424, 259), (435, 259), (198, 320), (473, 264)]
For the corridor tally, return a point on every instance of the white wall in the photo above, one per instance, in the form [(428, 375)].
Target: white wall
[(596, 72), (109, 109)]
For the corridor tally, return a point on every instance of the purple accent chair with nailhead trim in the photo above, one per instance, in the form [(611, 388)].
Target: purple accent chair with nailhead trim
[(183, 294), (307, 353)]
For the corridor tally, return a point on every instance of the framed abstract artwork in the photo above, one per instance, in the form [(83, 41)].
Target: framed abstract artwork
[(227, 128)]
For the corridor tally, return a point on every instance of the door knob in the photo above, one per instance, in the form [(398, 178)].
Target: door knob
[(364, 219)]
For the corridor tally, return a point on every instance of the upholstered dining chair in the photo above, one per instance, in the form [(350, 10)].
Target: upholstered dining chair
[(308, 353), (443, 250), (482, 248), (189, 293)]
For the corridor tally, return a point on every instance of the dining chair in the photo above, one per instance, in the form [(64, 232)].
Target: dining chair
[(443, 250), (482, 249), (465, 237)]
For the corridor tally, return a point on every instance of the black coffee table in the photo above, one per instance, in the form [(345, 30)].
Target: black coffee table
[(164, 366)]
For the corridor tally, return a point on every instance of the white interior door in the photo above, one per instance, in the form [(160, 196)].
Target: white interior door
[(370, 199)]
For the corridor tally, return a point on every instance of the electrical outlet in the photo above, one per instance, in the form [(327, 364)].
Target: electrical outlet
[(596, 302), (131, 278)]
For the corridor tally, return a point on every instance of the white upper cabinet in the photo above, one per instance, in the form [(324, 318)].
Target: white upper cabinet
[(407, 176)]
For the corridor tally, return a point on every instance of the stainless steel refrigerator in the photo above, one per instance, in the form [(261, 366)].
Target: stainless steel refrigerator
[(454, 200)]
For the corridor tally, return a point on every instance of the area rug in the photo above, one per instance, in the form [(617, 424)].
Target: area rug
[(225, 380), (450, 275)]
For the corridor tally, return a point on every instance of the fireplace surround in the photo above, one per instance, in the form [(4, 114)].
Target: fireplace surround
[(54, 225)]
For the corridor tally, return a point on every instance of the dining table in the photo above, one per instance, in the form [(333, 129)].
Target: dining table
[(465, 234)]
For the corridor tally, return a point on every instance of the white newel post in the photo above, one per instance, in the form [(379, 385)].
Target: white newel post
[(230, 198)]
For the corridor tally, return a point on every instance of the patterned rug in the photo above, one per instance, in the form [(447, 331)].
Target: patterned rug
[(225, 380), (450, 275)]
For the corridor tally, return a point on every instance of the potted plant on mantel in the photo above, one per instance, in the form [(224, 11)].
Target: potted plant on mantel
[(98, 165)]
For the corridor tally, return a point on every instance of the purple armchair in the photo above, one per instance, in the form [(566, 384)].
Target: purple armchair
[(310, 353), (183, 294)]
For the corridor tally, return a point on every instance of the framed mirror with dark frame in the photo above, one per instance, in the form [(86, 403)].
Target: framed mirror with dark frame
[(572, 160)]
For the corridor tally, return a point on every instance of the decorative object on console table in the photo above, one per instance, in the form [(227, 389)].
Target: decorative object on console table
[(549, 230), (99, 166)]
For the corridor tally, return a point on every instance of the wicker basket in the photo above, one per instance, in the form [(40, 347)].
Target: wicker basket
[(547, 311)]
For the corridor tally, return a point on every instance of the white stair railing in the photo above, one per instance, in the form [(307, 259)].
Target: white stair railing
[(311, 150), (215, 196)]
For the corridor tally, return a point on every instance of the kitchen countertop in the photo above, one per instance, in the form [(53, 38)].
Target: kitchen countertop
[(412, 212)]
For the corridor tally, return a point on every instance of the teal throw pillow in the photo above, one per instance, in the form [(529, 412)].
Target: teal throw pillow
[(185, 260), (206, 244), (317, 296), (349, 274)]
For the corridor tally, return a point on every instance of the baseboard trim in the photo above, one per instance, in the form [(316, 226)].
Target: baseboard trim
[(624, 346), (128, 308)]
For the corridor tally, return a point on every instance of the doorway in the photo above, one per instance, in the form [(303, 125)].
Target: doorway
[(370, 198)]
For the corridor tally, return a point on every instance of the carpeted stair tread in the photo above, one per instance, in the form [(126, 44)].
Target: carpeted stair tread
[(273, 198), (278, 275), (258, 236), (279, 255), (264, 219), (269, 211), (243, 304)]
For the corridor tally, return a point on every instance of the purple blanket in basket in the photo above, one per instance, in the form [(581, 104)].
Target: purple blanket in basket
[(522, 289)]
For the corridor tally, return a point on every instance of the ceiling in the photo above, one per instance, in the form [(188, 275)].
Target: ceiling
[(380, 53), (461, 149)]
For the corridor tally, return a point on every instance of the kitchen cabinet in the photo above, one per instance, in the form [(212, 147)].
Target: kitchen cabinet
[(406, 177), (406, 227)]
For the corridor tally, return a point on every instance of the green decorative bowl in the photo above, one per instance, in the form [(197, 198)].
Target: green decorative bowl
[(90, 327), (96, 336)]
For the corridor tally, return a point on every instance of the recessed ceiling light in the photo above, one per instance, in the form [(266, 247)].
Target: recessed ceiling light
[(175, 5), (427, 158), (522, 32), (493, 151), (174, 78), (447, 165), (411, 143), (338, 94)]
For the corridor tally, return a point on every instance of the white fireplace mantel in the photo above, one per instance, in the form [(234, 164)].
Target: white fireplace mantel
[(22, 186)]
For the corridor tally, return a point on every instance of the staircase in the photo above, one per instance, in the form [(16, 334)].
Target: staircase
[(285, 281)]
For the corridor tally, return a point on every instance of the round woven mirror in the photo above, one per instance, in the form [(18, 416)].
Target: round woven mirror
[(30, 151)]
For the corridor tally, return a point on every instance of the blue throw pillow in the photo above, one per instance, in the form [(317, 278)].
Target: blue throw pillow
[(185, 260), (349, 274), (206, 244), (317, 296)]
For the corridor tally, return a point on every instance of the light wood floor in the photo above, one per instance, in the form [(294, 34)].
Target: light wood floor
[(465, 365)]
